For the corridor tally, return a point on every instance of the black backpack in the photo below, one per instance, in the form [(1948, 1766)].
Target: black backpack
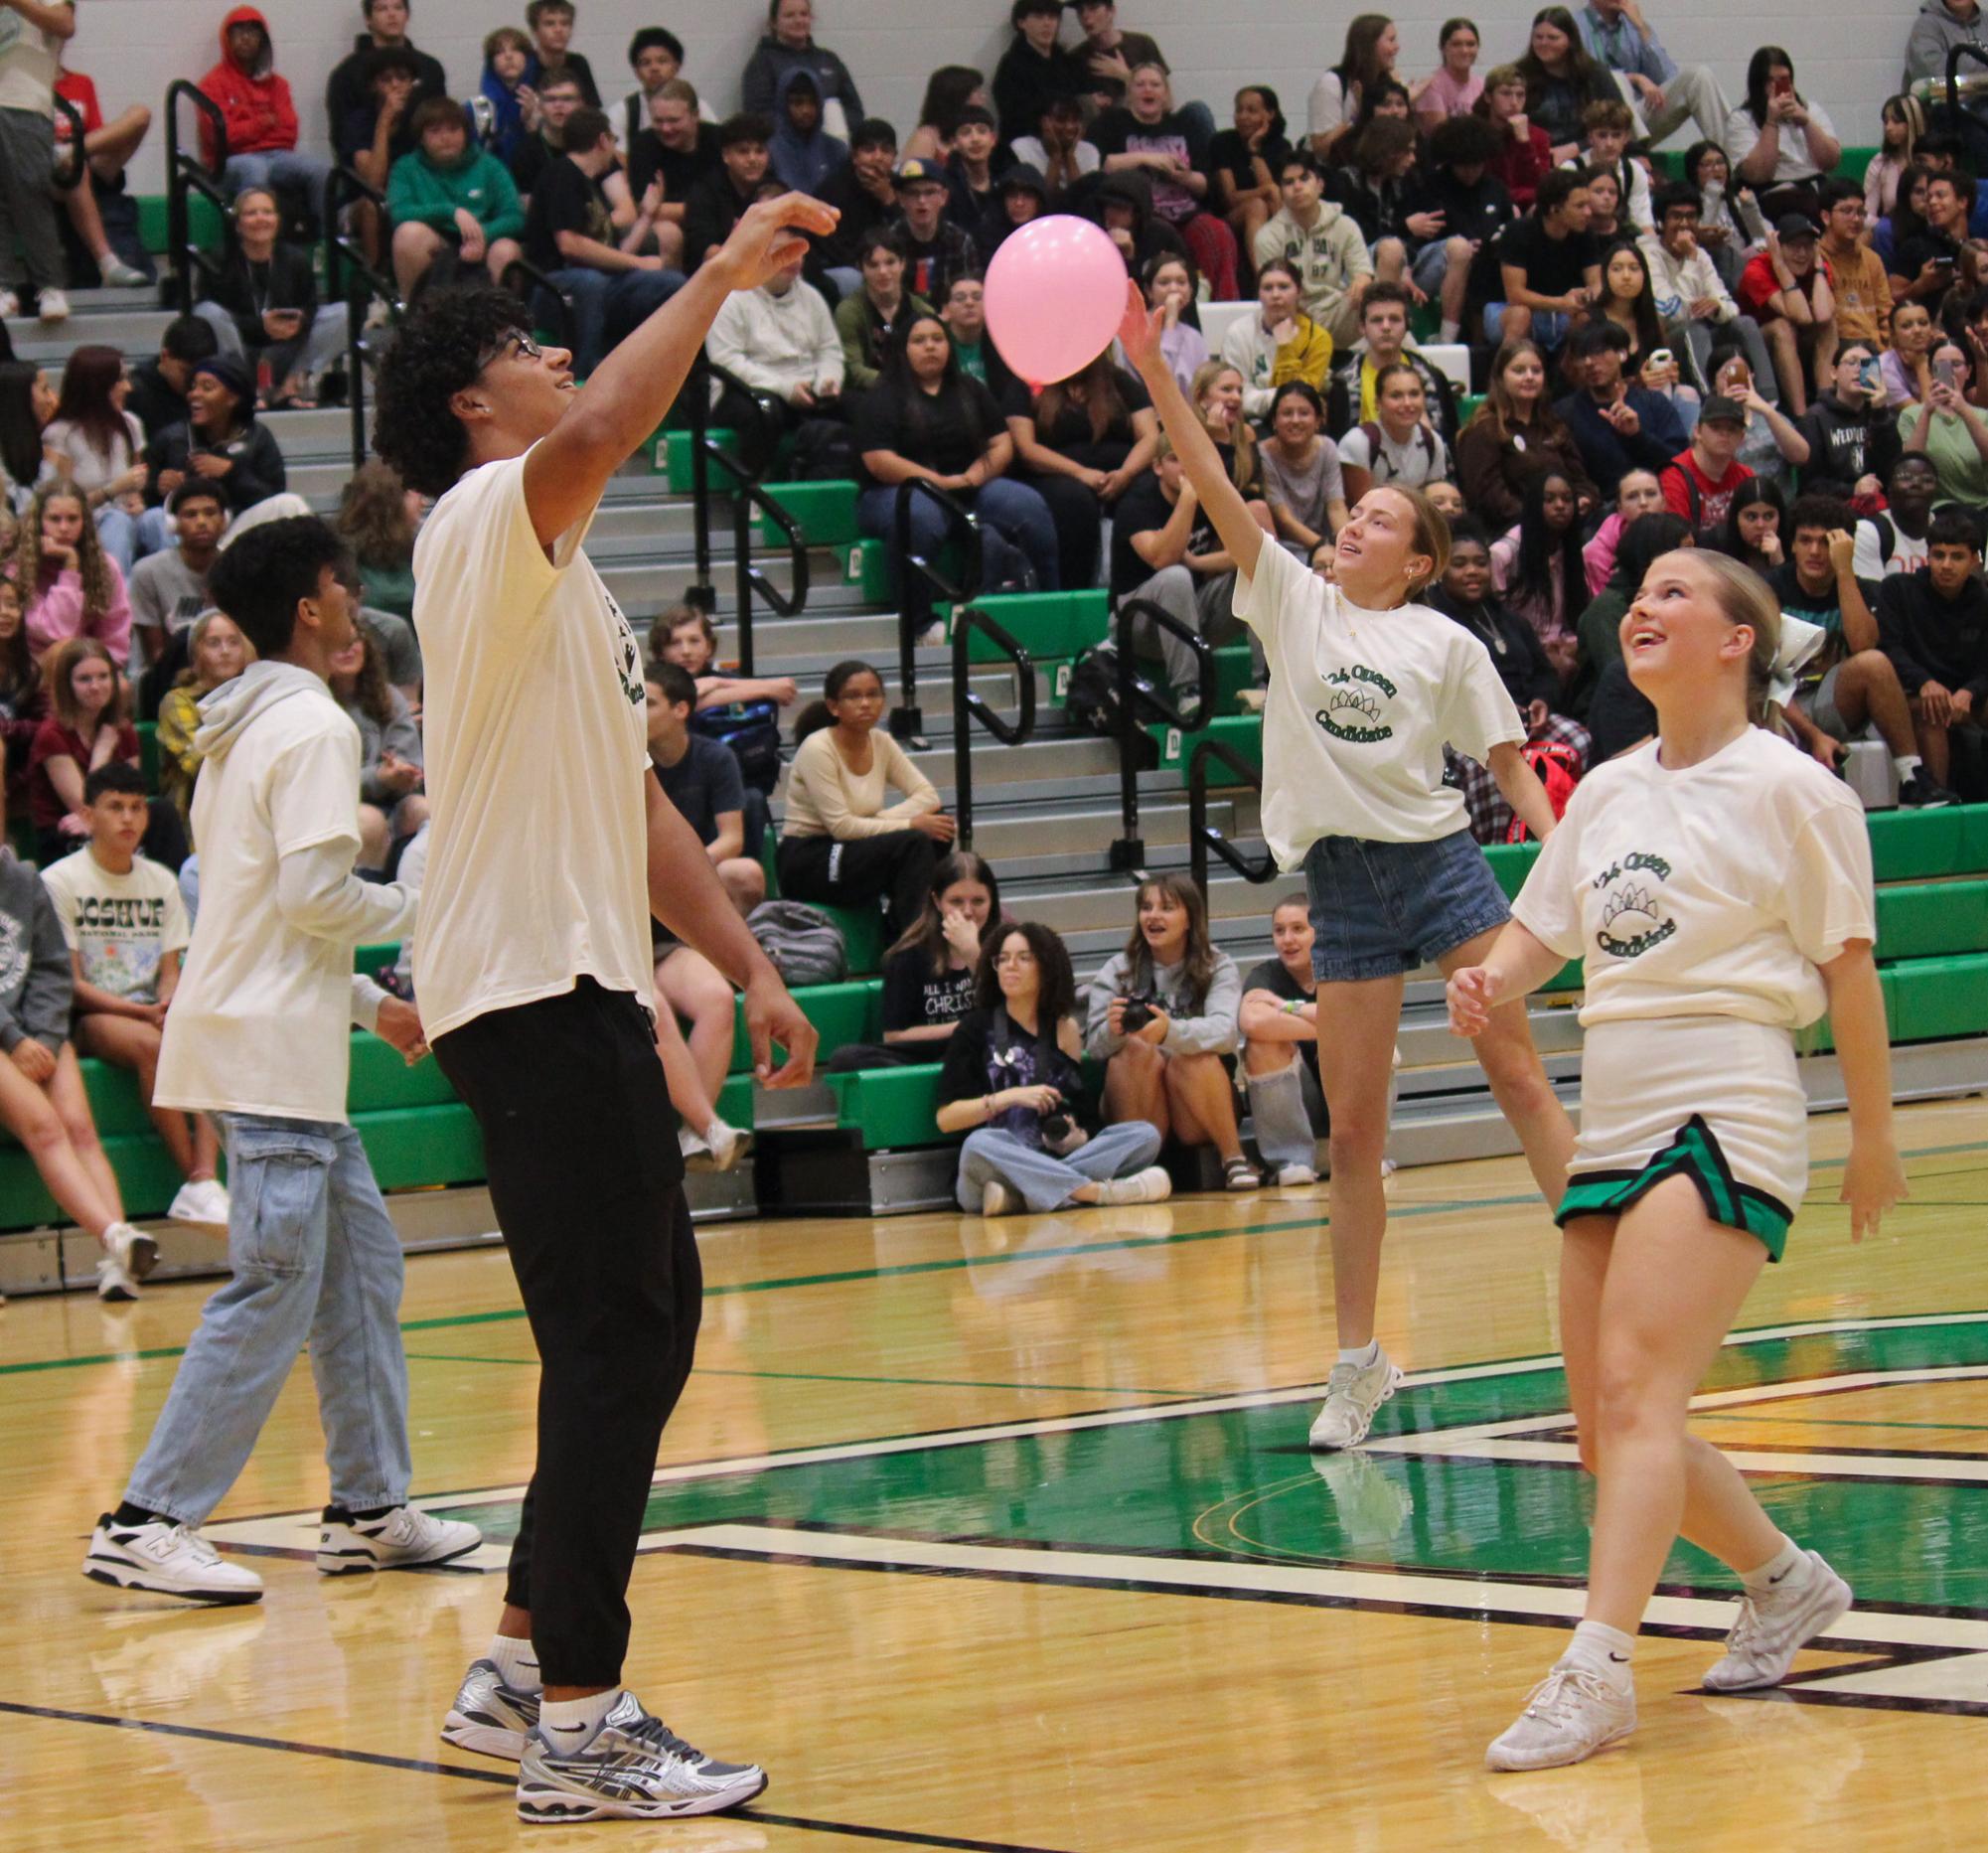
[(752, 730), (1091, 699)]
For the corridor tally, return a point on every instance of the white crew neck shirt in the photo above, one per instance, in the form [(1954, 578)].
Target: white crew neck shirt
[(533, 719), (1360, 706), (1715, 890)]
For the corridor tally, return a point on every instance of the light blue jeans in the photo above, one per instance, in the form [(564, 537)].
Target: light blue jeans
[(1042, 1181), (312, 352), (315, 1257), (279, 167)]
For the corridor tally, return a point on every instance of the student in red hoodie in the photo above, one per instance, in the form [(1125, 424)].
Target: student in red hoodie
[(260, 117)]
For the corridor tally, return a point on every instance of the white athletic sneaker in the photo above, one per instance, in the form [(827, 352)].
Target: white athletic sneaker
[(204, 1205), (489, 1717), (115, 273), (403, 1540), (1570, 1714), (1151, 1185), (10, 304), (999, 1200), (636, 1768), (52, 306), (115, 1284), (128, 1255), (1773, 1629), (726, 1145), (1352, 1395), (168, 1559), (1295, 1176)]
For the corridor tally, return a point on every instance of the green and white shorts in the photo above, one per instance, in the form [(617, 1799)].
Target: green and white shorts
[(1715, 1099)]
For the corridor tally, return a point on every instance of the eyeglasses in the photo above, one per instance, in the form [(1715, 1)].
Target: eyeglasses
[(522, 345)]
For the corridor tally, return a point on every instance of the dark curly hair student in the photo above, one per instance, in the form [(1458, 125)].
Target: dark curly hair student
[(436, 354)]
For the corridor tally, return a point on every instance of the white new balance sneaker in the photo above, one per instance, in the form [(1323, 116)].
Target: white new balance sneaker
[(1353, 1397), (1151, 1185), (402, 1539), (1570, 1714), (1773, 1629), (204, 1205), (1295, 1177), (489, 1717), (637, 1769), (168, 1559)]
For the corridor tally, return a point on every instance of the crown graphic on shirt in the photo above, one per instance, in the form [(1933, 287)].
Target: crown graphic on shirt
[(1357, 699), (1631, 900)]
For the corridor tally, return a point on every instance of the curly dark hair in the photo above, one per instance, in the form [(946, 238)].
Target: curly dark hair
[(443, 343)]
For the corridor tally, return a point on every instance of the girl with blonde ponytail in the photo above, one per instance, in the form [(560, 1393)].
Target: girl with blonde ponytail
[(1717, 883)]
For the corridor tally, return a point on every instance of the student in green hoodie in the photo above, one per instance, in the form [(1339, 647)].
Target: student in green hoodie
[(447, 193)]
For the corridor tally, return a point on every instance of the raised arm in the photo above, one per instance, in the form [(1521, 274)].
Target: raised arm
[(566, 471), (1140, 333)]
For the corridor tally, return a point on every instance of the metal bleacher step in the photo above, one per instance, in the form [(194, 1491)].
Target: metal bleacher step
[(129, 319)]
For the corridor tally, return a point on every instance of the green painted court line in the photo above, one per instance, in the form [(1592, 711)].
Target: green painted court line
[(506, 1314), (823, 1377)]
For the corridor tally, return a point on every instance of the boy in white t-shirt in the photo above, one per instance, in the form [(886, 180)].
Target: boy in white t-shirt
[(260, 1033), (125, 927)]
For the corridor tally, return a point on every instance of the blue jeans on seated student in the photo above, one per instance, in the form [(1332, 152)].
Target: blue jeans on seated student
[(315, 1257), (606, 305), (280, 167), (311, 352), (1015, 524), (1549, 325), (1041, 1179)]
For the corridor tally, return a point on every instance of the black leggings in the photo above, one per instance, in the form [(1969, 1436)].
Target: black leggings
[(580, 1150), (857, 871), (1078, 518)]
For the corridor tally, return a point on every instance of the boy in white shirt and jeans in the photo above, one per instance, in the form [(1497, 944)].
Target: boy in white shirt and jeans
[(260, 1033), (126, 928)]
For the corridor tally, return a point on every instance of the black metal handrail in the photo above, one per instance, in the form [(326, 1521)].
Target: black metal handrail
[(1138, 695), (970, 705), (70, 169), (696, 399), (350, 278), (190, 173), (748, 498), (1954, 58), (1202, 836), (920, 583)]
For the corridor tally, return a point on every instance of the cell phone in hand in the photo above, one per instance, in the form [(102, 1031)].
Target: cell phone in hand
[(1942, 371), (1780, 86), (1867, 375), (1659, 356)]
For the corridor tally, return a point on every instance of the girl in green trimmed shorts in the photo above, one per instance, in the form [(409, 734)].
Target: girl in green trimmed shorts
[(1717, 882)]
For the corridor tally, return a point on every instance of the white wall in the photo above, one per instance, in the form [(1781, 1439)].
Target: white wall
[(1845, 57)]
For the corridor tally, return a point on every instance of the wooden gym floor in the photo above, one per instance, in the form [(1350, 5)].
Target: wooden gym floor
[(1005, 1537)]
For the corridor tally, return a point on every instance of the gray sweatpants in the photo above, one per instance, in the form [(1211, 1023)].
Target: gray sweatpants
[(1206, 607), (27, 203)]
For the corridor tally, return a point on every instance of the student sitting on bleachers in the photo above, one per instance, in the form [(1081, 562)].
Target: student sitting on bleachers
[(928, 975), (169, 591), (24, 698), (1280, 1026), (1162, 1016), (1934, 625), (217, 652), (158, 396), (446, 193), (264, 307), (841, 844), (1398, 447), (1353, 395), (43, 1103), (393, 806), (1277, 345), (1011, 1084), (87, 729), (221, 443), (71, 584), (867, 319), (687, 637), (1303, 482), (126, 931), (780, 341), (702, 779), (257, 115), (96, 445)]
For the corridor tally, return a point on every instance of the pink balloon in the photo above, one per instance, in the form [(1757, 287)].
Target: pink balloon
[(1055, 295)]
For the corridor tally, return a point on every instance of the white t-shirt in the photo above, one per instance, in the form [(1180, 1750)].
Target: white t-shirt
[(1425, 458), (1711, 892), (261, 1022), (1360, 705), (122, 925), (537, 750), (1868, 556), (89, 468), (1793, 161), (30, 61)]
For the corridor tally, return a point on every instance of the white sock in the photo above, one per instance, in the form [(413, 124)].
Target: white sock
[(1366, 1358), (1600, 1648), (1451, 330), (573, 1724), (1906, 764), (1790, 1561), (516, 1665)]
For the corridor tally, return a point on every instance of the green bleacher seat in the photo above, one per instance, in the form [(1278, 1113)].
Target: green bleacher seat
[(1931, 919), (1933, 999), (204, 222), (825, 512), (1915, 846), (672, 458), (1241, 733), (892, 1107), (368, 958), (862, 935), (850, 1012), (1046, 624)]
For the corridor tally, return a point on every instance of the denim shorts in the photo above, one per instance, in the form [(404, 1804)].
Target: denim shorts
[(1380, 909)]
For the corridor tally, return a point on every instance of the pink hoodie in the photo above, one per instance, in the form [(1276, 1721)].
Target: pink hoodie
[(57, 614)]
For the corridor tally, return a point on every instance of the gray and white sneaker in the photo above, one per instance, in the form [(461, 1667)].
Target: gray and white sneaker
[(1000, 1199), (167, 1559), (489, 1717), (132, 1248), (726, 1145), (1353, 1394), (1151, 1185), (402, 1539), (115, 273), (203, 1205), (1773, 1629), (1570, 1714), (636, 1768)]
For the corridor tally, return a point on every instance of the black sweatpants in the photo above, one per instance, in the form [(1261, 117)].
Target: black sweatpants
[(855, 871), (580, 1151)]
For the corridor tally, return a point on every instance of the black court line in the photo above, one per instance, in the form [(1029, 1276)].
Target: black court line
[(897, 1836)]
